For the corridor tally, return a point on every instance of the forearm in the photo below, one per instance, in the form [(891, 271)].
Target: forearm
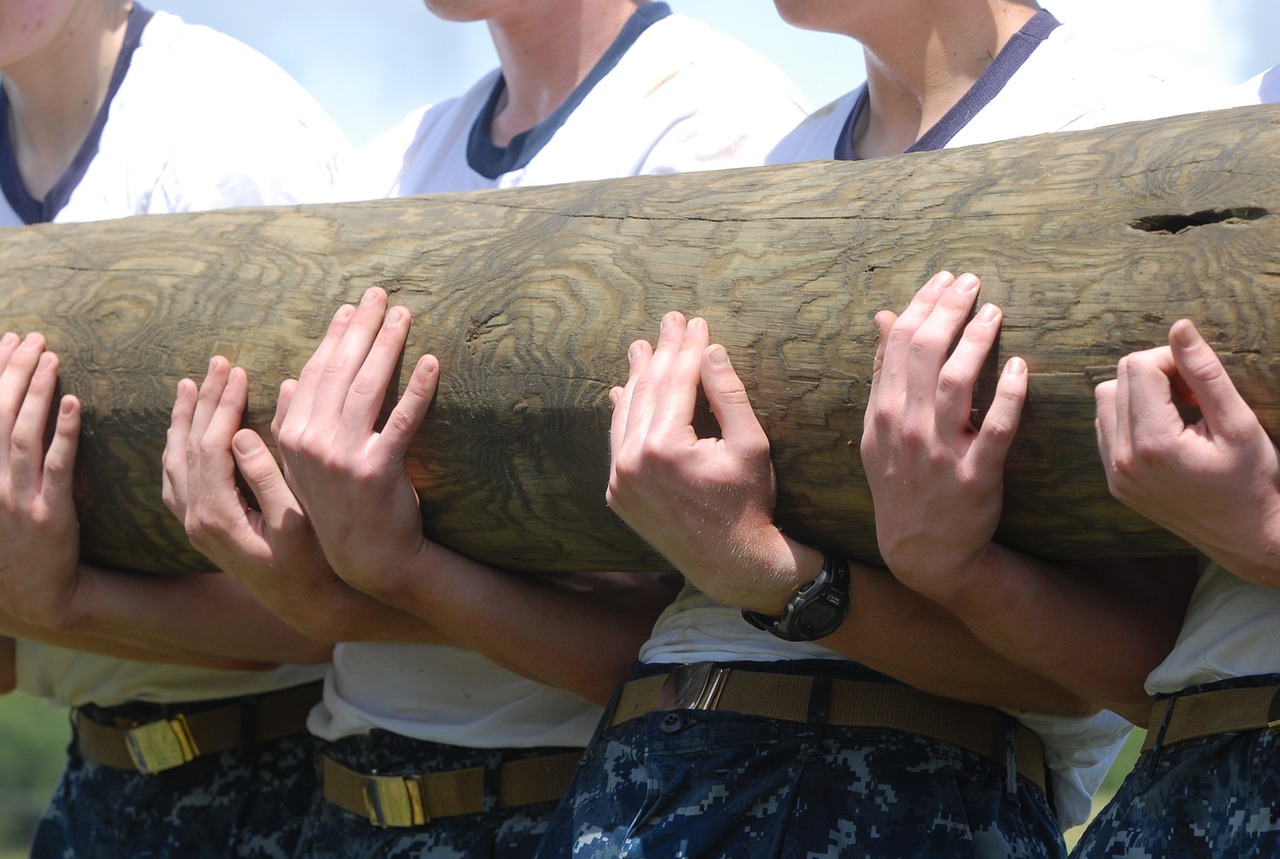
[(579, 632), (1098, 629), (899, 632), (199, 615)]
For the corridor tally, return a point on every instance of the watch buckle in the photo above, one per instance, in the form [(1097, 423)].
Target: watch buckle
[(692, 687)]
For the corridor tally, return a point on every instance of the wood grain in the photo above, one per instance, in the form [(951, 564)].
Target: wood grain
[(1092, 242)]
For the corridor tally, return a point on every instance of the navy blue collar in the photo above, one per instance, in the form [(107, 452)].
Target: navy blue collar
[(31, 210), (492, 161), (988, 86)]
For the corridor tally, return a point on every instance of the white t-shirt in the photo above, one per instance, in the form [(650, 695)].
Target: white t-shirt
[(671, 95), (1047, 78), (194, 120)]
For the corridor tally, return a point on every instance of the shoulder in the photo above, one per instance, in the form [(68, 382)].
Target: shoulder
[(815, 138)]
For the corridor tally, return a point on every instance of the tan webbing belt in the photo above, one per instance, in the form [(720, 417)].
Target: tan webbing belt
[(1220, 711), (417, 799), (153, 747), (853, 703)]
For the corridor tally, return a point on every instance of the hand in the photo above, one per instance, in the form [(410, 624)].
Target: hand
[(350, 477), (935, 478), (273, 553), (706, 504), (1214, 482), (39, 530)]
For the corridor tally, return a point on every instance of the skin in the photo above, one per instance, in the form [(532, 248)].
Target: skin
[(921, 56), (1215, 481), (937, 486), (56, 59), (346, 524)]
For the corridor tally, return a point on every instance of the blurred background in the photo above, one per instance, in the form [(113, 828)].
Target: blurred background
[(370, 63)]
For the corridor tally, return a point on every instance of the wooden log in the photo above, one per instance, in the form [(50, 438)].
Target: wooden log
[(1093, 243)]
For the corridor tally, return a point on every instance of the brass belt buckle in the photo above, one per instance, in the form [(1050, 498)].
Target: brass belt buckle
[(692, 687), (394, 801), (162, 745)]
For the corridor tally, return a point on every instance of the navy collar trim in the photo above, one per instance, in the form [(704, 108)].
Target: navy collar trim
[(1006, 64), (31, 210), (492, 161)]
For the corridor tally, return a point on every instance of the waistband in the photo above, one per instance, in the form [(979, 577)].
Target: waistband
[(1217, 711), (416, 799), (162, 744), (983, 730)]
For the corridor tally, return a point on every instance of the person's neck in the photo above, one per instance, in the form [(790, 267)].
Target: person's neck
[(55, 94), (917, 71), (545, 53)]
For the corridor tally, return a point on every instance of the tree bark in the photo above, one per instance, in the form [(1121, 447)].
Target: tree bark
[(1092, 242)]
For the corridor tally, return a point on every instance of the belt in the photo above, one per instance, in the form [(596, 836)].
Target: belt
[(1220, 711), (852, 703), (156, 746), (419, 798)]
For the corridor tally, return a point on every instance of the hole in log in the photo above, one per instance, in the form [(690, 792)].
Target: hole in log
[(1174, 224)]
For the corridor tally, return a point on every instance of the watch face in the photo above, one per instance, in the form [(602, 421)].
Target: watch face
[(819, 616)]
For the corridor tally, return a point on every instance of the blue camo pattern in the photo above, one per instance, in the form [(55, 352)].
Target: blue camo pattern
[(241, 803), (1211, 797), (331, 832), (717, 785)]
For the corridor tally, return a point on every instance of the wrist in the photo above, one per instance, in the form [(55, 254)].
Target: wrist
[(816, 610)]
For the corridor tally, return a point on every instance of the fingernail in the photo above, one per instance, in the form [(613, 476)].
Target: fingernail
[(988, 313), (1184, 335), (633, 353), (718, 357), (966, 283), (246, 443), (1015, 367)]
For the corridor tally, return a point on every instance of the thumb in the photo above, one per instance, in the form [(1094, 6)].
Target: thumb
[(1201, 369), (262, 475), (728, 399)]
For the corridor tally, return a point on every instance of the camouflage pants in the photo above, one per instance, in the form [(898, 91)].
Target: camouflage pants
[(689, 784), (241, 803), (331, 831), (1213, 796)]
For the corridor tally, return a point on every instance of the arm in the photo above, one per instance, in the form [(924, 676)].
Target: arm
[(707, 504), (937, 483), (1214, 481), (47, 595), (577, 632)]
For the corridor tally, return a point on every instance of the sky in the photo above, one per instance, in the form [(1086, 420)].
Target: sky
[(371, 62)]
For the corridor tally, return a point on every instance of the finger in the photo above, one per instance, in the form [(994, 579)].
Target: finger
[(59, 463), (26, 466), (960, 372), (16, 379), (313, 371), (646, 383), (215, 382), (265, 480), (283, 402), (331, 388), (931, 344), (1221, 405), (896, 350), (410, 411), (174, 458), (638, 357), (9, 344), (1000, 425), (1122, 443), (367, 393), (729, 402), (1104, 423), (676, 392)]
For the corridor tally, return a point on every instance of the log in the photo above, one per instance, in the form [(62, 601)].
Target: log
[(1092, 242)]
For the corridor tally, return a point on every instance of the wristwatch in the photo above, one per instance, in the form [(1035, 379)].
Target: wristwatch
[(817, 609)]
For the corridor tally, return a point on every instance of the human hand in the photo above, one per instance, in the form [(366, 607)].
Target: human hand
[(705, 503), (350, 477), (273, 554), (1214, 482), (936, 479), (39, 530)]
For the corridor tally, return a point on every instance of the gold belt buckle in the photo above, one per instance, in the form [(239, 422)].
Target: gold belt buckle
[(394, 801), (692, 687), (162, 745)]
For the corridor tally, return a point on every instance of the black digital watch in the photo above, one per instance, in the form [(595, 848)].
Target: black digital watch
[(817, 609)]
